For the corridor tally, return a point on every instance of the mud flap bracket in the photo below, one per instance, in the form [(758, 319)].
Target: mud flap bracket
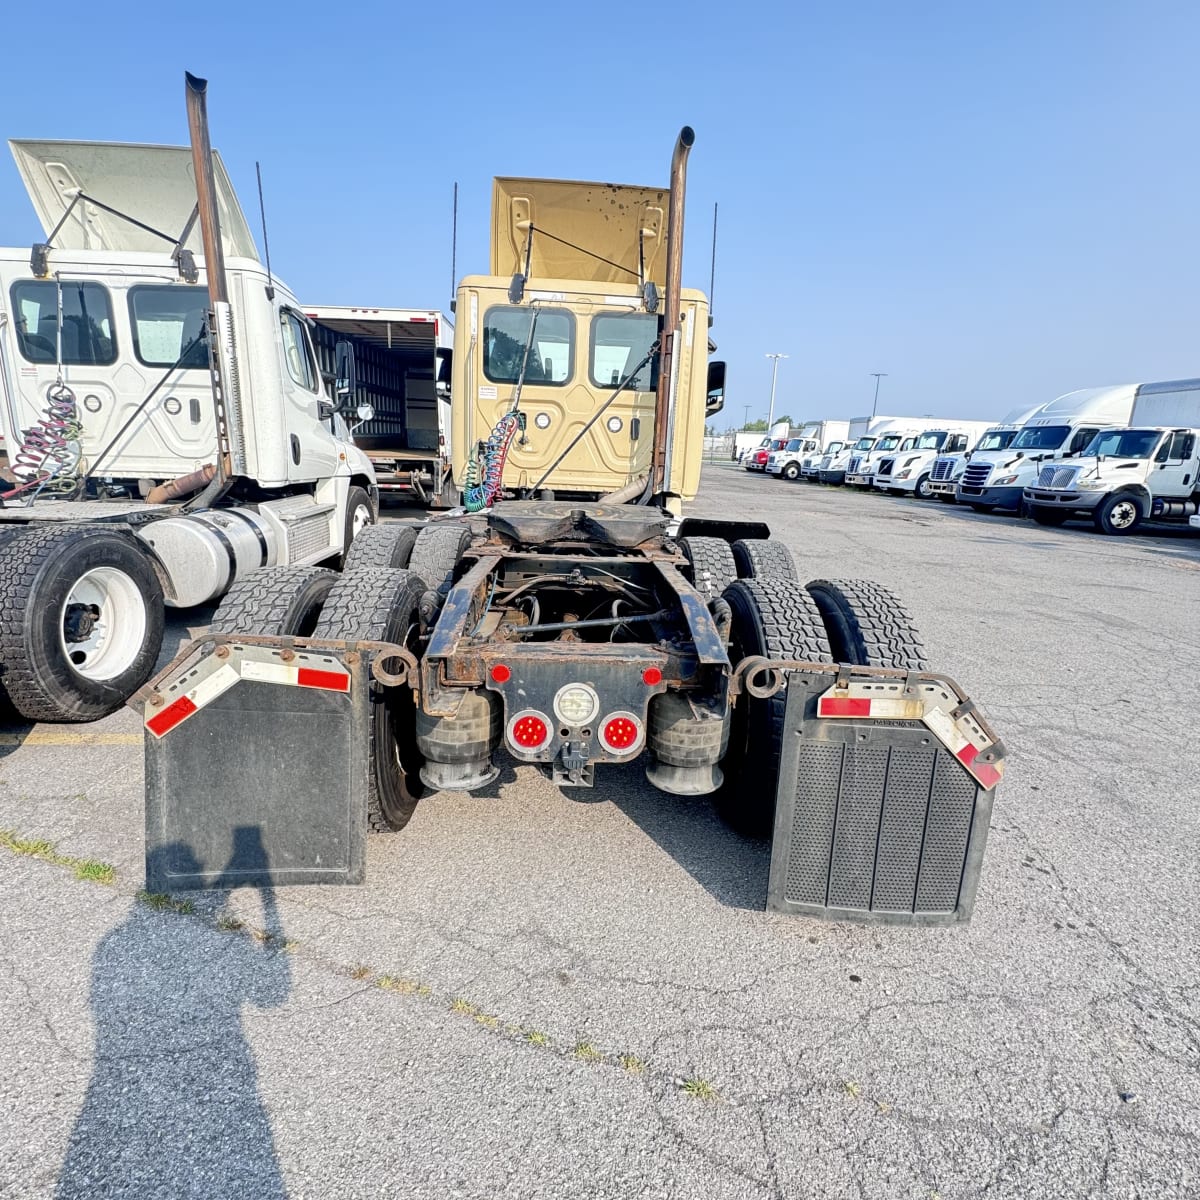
[(256, 769), (882, 810)]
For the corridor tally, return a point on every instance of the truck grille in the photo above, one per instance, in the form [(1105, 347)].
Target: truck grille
[(853, 465), (943, 468), (886, 465), (1057, 477), (976, 475)]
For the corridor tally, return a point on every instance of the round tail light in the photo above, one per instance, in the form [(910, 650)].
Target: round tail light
[(528, 730), (622, 733)]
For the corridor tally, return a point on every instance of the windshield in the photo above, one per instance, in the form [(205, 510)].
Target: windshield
[(997, 439), (930, 441), (834, 447), (794, 444), (888, 442), (1124, 443), (1041, 437), (864, 443)]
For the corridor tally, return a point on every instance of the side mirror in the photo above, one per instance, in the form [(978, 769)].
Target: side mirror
[(445, 371), (365, 412), (346, 374), (715, 399)]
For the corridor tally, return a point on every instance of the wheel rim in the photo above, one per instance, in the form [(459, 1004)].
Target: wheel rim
[(102, 625), (922, 488), (360, 520), (1124, 514)]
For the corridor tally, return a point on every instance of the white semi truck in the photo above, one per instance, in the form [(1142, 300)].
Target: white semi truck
[(909, 471), (1125, 476), (898, 435), (860, 436), (813, 439), (947, 469), (166, 423), (1060, 429)]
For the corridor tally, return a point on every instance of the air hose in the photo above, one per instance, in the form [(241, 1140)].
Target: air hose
[(50, 453)]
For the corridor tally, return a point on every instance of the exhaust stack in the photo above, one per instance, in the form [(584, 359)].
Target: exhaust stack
[(670, 320), (231, 455)]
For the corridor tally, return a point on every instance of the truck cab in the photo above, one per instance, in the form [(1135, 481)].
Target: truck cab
[(1063, 428), (785, 463), (891, 435), (911, 471), (947, 469)]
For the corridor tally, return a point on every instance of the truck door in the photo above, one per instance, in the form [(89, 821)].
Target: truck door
[(312, 450), (1174, 471)]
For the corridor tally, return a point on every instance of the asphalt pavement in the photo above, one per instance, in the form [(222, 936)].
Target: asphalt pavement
[(550, 994)]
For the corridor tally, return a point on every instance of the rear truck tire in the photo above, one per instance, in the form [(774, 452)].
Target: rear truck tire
[(387, 545), (437, 552), (761, 558), (771, 617), (275, 602), (921, 488), (1119, 514), (790, 472), (867, 625), (379, 604), (1054, 517), (81, 622), (360, 515), (712, 568)]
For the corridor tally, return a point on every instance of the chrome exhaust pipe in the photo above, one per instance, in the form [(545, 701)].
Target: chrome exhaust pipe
[(659, 482)]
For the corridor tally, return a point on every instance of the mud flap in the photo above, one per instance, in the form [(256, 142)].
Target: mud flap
[(885, 794), (256, 769)]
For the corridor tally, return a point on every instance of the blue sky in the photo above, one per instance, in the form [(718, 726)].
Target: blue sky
[(992, 202)]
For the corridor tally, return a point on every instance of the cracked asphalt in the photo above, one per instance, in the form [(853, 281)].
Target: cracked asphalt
[(539, 995)]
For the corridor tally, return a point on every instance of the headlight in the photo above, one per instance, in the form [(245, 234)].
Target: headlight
[(1091, 485), (1005, 479), (904, 475)]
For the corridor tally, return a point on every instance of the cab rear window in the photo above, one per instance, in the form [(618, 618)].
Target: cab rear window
[(87, 322)]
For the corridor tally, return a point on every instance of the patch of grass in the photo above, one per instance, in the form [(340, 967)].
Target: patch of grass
[(535, 1037), (852, 1089), (290, 945), (487, 1020), (89, 870), (587, 1052), (465, 1007), (396, 983), (161, 902), (263, 937), (701, 1089), (229, 924), (632, 1064), (360, 971)]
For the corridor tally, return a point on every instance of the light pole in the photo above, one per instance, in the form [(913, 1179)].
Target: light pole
[(878, 376), (774, 372), (746, 418)]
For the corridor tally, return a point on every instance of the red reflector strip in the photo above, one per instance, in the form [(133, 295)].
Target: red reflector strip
[(984, 772), (843, 706), (331, 681), (170, 716)]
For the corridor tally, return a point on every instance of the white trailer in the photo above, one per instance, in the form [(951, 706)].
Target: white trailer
[(403, 364), (910, 471), (166, 424), (1151, 469), (1060, 429), (813, 439)]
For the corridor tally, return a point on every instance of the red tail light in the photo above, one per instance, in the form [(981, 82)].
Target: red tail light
[(622, 733), (528, 730)]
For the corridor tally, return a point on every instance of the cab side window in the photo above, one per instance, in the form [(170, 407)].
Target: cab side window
[(1182, 446), (297, 352), (1080, 440), (87, 326)]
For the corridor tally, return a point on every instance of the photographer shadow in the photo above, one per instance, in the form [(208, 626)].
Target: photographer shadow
[(173, 1107)]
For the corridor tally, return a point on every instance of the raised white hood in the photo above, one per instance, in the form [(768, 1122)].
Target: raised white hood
[(152, 184)]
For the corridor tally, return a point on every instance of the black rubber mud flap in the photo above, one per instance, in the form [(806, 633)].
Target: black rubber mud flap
[(885, 792), (256, 770)]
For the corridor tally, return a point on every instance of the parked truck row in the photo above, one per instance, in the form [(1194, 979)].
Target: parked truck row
[(1116, 456)]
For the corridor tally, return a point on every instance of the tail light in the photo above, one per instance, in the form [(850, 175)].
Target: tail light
[(529, 730), (622, 733)]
